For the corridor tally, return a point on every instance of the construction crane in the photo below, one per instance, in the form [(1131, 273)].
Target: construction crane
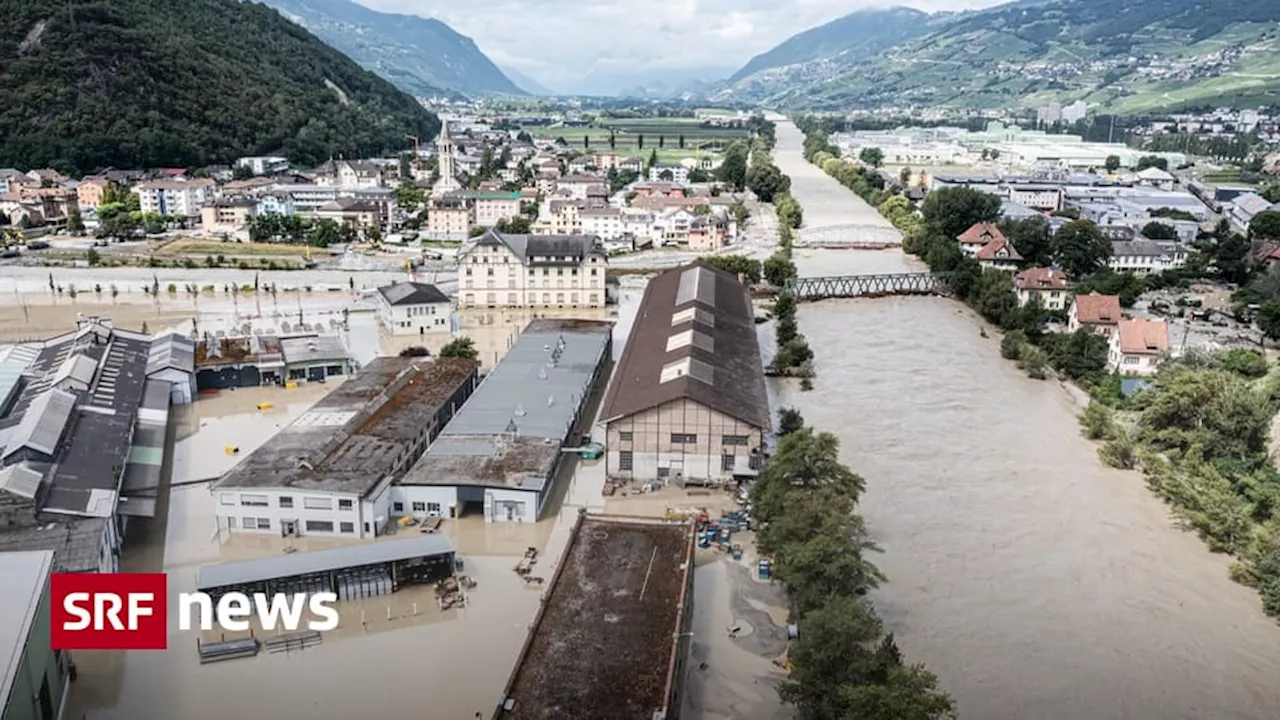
[(417, 152)]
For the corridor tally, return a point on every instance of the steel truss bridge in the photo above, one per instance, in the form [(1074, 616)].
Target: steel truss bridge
[(853, 286)]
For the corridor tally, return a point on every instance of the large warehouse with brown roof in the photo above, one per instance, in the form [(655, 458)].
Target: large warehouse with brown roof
[(688, 400)]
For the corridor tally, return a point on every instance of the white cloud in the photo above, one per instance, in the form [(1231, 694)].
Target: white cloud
[(560, 42)]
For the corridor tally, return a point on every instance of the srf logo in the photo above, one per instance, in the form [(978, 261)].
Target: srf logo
[(124, 611)]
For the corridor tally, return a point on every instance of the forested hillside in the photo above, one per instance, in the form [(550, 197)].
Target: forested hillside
[(140, 83)]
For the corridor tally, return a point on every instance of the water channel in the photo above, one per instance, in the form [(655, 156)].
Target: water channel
[(1034, 581)]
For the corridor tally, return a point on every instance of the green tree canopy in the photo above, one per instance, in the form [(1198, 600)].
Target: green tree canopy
[(953, 210), (1080, 248), (460, 347)]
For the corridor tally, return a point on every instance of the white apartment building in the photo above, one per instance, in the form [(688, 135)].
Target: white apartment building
[(605, 222), (578, 185), (412, 308), (1143, 257), (491, 208), (501, 270), (666, 172), (264, 165), (175, 197), (1040, 197)]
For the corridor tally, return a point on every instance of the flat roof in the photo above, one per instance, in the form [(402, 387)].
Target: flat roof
[(606, 639), (508, 433), (244, 572), (25, 576), (357, 435)]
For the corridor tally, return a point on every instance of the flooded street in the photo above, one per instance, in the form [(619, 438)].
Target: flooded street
[(1034, 581)]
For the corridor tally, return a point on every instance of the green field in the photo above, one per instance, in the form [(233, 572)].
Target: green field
[(628, 134)]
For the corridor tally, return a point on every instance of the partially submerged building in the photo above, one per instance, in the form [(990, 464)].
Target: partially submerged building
[(254, 360), (688, 402), (33, 678), (331, 470), (611, 637), (67, 440), (504, 449)]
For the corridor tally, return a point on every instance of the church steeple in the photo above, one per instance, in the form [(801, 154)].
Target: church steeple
[(448, 181)]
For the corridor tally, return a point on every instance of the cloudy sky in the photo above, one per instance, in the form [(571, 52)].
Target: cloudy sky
[(558, 42)]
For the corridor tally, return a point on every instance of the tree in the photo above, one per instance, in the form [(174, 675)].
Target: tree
[(460, 347), (733, 166), (1032, 238), (1152, 161), (1080, 248), (789, 421), (1229, 255), (613, 140), (1269, 319), (662, 141), (872, 156), (767, 181), (804, 459), (1265, 225), (92, 257), (640, 142), (75, 223), (778, 270), (1113, 163), (1159, 231), (904, 176), (950, 211), (586, 142), (513, 226), (680, 141), (653, 160), (373, 234), (666, 175), (748, 268)]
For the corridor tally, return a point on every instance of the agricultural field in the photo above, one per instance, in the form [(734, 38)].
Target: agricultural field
[(645, 134), (200, 246)]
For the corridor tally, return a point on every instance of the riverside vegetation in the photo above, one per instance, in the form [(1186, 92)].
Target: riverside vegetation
[(843, 664), (1200, 432)]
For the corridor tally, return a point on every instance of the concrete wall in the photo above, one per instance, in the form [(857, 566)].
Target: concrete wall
[(37, 666), (511, 505), (652, 448), (432, 500)]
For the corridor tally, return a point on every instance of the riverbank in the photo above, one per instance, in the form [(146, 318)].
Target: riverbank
[(1022, 571)]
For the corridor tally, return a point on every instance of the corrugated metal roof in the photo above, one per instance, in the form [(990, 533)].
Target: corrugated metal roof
[(78, 368), (20, 480), (43, 422), (171, 351), (244, 572)]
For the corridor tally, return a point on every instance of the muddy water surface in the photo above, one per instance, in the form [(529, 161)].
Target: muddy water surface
[(1036, 582)]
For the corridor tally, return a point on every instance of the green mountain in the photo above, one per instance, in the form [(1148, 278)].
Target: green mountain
[(853, 37), (420, 55), (140, 83), (1116, 55)]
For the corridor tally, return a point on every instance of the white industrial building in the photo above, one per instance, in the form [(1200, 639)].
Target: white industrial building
[(503, 452), (413, 308), (331, 470), (172, 358)]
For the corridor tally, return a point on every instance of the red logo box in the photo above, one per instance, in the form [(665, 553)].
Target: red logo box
[(125, 611)]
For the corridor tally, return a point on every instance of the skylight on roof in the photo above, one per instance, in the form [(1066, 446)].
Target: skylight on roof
[(696, 369), (692, 337)]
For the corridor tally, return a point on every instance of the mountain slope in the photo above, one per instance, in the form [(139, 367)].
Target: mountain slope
[(136, 83), (856, 35), (526, 83), (1121, 55), (420, 55)]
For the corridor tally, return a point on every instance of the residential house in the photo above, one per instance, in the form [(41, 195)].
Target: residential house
[(491, 208), (449, 217), (1047, 284), (412, 308), (227, 215), (708, 233), (1138, 346), (507, 270), (978, 236), (89, 193), (1146, 257), (688, 402), (668, 172), (1095, 311), (999, 253), (577, 185), (358, 214), (54, 202), (19, 209), (184, 198), (275, 203), (46, 177), (634, 163), (671, 226), (603, 222), (349, 174), (1245, 207), (582, 164), (560, 217), (264, 165), (12, 181), (657, 189)]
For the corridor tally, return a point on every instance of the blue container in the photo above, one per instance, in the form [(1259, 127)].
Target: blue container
[(765, 570)]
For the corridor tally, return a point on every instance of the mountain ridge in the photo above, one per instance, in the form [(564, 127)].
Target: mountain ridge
[(422, 56), (133, 84), (1117, 55)]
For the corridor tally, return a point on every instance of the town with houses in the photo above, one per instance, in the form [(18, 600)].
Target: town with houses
[(400, 452)]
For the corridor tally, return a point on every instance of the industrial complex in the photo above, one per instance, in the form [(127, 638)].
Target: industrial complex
[(688, 403), (505, 447), (82, 438), (611, 637), (330, 472)]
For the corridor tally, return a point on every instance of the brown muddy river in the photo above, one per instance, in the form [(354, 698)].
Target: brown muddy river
[(1038, 584)]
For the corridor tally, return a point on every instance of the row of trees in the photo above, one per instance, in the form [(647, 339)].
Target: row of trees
[(1201, 436), (843, 664), (271, 227)]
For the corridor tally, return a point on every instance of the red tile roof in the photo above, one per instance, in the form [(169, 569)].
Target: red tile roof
[(980, 234), (1098, 309), (1040, 279), (998, 249), (1139, 336)]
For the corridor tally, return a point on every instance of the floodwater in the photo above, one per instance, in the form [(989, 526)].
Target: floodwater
[(1034, 581), (393, 656)]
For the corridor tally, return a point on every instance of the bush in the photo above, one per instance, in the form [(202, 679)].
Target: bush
[(1248, 363), (1034, 362), (1097, 422), (1012, 344), (1119, 452)]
